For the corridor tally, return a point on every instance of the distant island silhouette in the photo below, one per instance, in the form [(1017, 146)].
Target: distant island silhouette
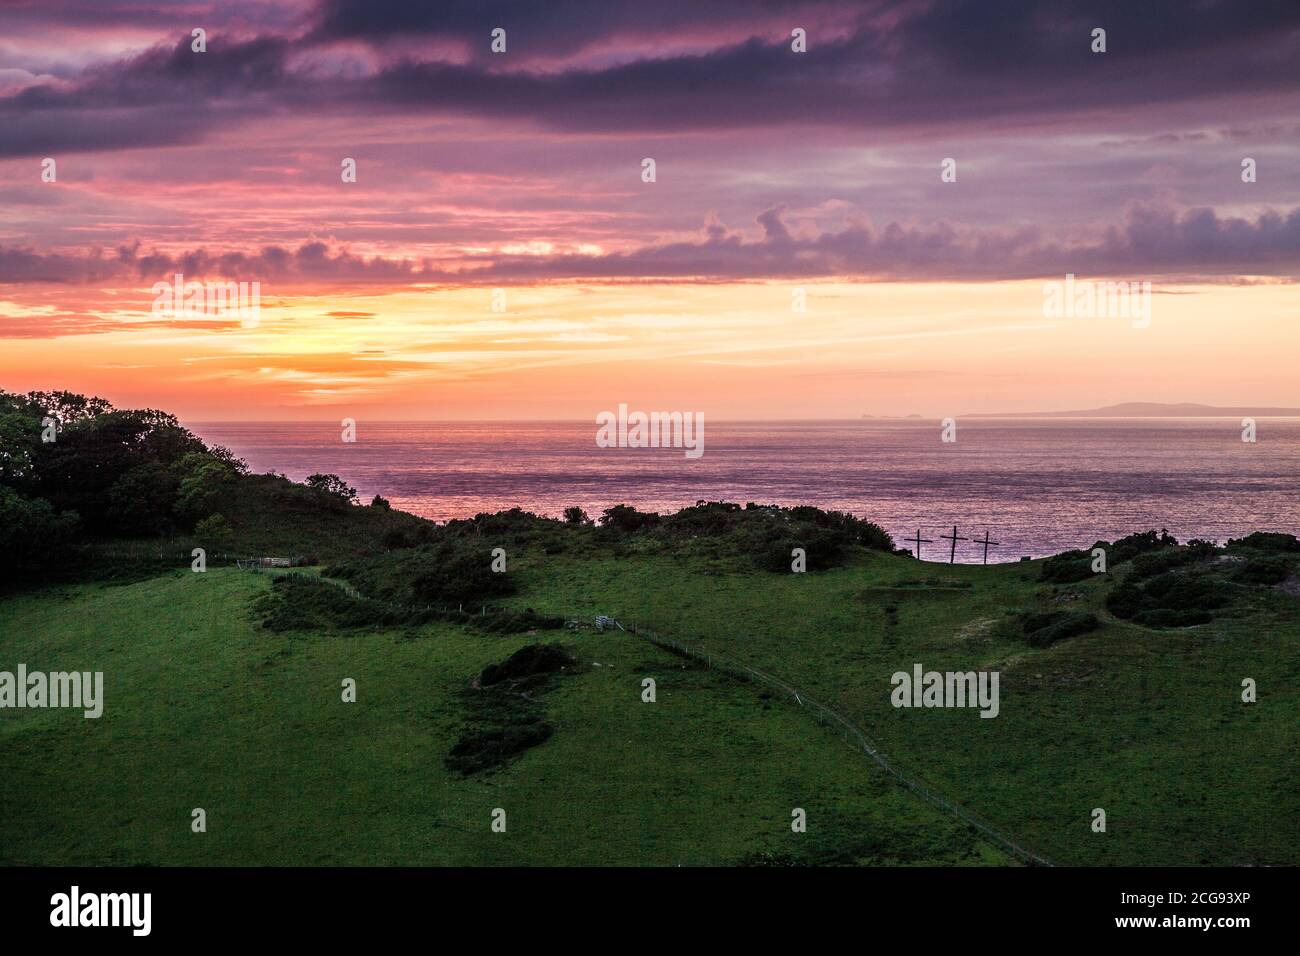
[(1155, 410)]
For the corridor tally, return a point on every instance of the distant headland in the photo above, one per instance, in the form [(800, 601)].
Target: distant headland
[(1157, 410)]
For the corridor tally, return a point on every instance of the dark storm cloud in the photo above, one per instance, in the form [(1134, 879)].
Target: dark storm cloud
[(1151, 242), (555, 27), (903, 65)]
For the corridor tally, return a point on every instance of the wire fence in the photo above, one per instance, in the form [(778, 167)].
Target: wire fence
[(850, 731)]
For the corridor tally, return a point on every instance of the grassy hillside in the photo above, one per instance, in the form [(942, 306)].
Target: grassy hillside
[(1119, 691), (1147, 724), (205, 708)]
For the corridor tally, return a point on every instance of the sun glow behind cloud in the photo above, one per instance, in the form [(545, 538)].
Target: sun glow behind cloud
[(776, 171), (737, 350)]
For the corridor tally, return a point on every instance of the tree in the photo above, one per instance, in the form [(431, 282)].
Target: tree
[(213, 530), (576, 515), (141, 501), (68, 407), (627, 519), (204, 482), (332, 485), (20, 439), (32, 533)]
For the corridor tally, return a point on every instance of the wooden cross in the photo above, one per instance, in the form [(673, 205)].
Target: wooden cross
[(952, 555), (918, 540), (986, 542)]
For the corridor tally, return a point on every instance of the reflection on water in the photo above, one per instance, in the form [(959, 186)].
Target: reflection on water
[(1037, 486)]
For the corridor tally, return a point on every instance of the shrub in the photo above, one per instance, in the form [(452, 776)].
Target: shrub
[(482, 748), (576, 515), (395, 539), (1126, 549), (824, 549), (1267, 541), (528, 661), (1153, 563), (503, 721), (214, 529), (332, 485), (302, 604), (627, 520), (1067, 567), (1169, 617), (1044, 628), (1171, 599), (455, 573), (1269, 569)]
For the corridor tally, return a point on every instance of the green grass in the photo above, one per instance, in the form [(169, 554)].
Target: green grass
[(206, 708), (1146, 724), (203, 708)]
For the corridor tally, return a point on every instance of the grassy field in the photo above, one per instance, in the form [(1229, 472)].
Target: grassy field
[(204, 708), (1145, 724)]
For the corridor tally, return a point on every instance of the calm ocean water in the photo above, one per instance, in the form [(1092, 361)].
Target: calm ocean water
[(1036, 486)]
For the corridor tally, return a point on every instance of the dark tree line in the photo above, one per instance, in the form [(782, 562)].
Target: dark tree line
[(73, 466)]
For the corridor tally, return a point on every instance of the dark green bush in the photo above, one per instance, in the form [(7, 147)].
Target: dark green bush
[(528, 661), (505, 715), (1173, 599), (454, 573), (823, 549), (1153, 563), (575, 515), (1269, 569), (1266, 541), (627, 520), (1044, 628), (1126, 549), (1067, 567), (300, 603)]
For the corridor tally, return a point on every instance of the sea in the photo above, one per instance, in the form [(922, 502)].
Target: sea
[(1031, 486)]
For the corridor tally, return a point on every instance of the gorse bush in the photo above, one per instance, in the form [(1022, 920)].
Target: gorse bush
[(296, 603), (1045, 628), (1265, 569), (1126, 549), (627, 520), (504, 715), (453, 571), (1067, 567), (1153, 563), (1266, 541), (1171, 599), (755, 536)]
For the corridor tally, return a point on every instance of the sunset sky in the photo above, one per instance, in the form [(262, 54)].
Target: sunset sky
[(776, 172)]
